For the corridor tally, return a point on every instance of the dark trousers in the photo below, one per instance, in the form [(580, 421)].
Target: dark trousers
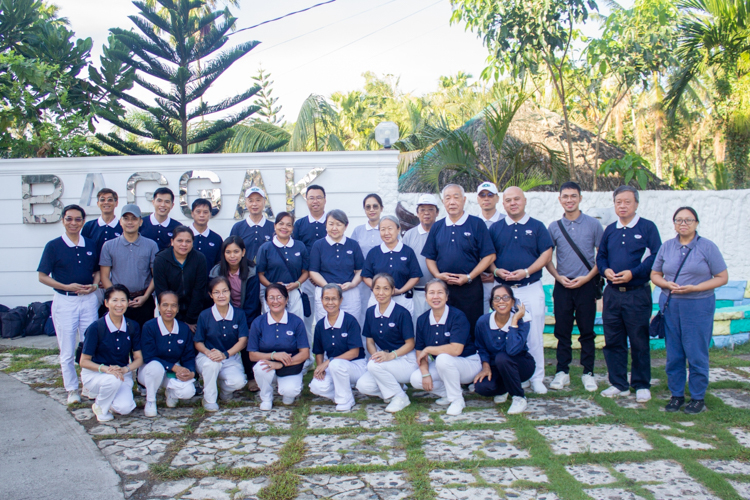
[(508, 372), (626, 317), (247, 364), (577, 304), (469, 299)]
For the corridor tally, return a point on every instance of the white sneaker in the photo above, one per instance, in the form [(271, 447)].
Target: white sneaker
[(266, 406), (614, 392), (398, 403), (502, 398), (212, 407), (525, 385), (456, 407), (518, 406), (561, 380), (87, 394), (73, 397), (443, 402), (150, 409), (100, 415), (471, 387), (589, 382), (226, 395), (171, 400), (288, 400), (538, 387), (345, 408), (642, 395)]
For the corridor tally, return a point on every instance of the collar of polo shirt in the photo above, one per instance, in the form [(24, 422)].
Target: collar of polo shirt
[(443, 318), (384, 248), (196, 233), (155, 222), (112, 327), (322, 219), (163, 327), (577, 220), (284, 318), (331, 242), (422, 230), (495, 217), (460, 222), (523, 220), (338, 323), (112, 223), (217, 314), (631, 224), (253, 224), (388, 310), (493, 323), (278, 243), (370, 228), (125, 242), (69, 242)]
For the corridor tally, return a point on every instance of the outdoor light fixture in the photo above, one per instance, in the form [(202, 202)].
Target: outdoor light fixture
[(386, 133)]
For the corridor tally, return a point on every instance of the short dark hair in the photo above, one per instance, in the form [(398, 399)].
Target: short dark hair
[(507, 288), (570, 185), (201, 202), (164, 190), (107, 191), (217, 281), (315, 186), (626, 189), (280, 288), (373, 195), (116, 288), (690, 209), (74, 207), (168, 292), (182, 229), (280, 216)]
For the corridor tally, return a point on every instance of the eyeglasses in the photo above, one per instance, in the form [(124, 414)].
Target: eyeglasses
[(219, 293), (372, 207), (504, 298), (680, 222), (331, 299), (275, 298), (316, 198), (485, 194), (72, 219)]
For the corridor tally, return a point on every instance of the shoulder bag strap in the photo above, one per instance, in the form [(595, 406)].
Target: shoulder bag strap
[(573, 245), (288, 268)]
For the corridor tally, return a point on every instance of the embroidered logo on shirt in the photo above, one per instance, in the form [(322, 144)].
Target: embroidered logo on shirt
[(169, 234), (290, 332), (392, 325), (350, 252), (128, 337), (403, 258), (180, 341), (447, 334), (637, 236), (89, 253), (467, 234), (211, 244), (117, 234), (344, 334), (529, 232), (268, 237), (235, 326)]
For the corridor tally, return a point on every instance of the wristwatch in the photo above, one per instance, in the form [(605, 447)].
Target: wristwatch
[(527, 272), (468, 276)]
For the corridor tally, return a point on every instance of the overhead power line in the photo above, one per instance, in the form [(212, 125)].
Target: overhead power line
[(284, 16)]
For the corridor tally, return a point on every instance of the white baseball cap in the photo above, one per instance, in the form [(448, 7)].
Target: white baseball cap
[(427, 199), (254, 189), (487, 186)]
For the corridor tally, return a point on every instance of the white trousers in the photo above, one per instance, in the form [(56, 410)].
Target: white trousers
[(419, 303), (289, 386), (398, 299), (532, 297), (487, 290), (229, 374), (309, 289), (112, 393), (71, 315), (350, 303), (365, 294), (448, 373), (340, 376), (384, 380), (154, 375)]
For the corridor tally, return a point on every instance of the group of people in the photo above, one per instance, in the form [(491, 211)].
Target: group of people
[(452, 302)]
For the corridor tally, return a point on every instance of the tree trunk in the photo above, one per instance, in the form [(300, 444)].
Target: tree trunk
[(658, 125), (737, 156), (719, 146), (636, 144)]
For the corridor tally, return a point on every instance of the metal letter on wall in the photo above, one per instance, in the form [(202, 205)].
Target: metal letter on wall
[(27, 199), (292, 189), (140, 177), (252, 178), (212, 195), (92, 185)]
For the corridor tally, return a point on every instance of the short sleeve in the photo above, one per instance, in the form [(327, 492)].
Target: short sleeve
[(552, 234), (369, 318), (598, 233), (242, 330), (484, 241), (47, 263), (407, 326), (135, 335), (105, 259), (305, 256), (200, 329), (355, 336), (359, 258), (91, 339), (419, 343), (318, 338), (715, 260), (460, 329), (315, 257), (414, 270), (262, 265), (659, 260), (429, 250), (369, 270), (253, 338), (295, 229), (301, 334), (544, 240)]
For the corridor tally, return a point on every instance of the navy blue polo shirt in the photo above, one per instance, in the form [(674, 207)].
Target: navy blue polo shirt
[(390, 330), (99, 232), (168, 347), (108, 345), (623, 249), (308, 231), (452, 328), (221, 333), (458, 248), (288, 335), (209, 244), (519, 244), (254, 236), (161, 234), (68, 263), (492, 340), (401, 263), (274, 268), (334, 340), (336, 262)]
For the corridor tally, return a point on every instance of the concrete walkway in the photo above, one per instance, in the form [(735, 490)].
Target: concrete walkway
[(36, 342), (46, 453)]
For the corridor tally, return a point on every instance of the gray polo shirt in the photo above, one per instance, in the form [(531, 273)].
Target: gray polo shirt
[(415, 238), (131, 263), (703, 263), (586, 232)]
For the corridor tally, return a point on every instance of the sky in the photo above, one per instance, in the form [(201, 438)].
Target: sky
[(323, 50)]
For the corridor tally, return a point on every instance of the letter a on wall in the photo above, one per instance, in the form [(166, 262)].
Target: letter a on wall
[(252, 178)]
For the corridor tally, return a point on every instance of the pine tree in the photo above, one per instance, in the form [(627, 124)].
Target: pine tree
[(263, 98), (179, 50)]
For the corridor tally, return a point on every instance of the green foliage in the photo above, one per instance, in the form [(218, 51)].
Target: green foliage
[(257, 137), (629, 167), (316, 126), (265, 101), (721, 178)]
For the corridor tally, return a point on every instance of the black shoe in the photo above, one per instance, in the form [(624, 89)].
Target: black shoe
[(695, 406), (674, 404)]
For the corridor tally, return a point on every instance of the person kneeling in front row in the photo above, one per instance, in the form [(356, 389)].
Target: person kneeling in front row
[(443, 333), (501, 341), (106, 368), (168, 356), (339, 355)]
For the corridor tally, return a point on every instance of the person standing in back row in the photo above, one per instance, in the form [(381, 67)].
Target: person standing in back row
[(206, 241), (107, 226), (487, 198), (415, 238), (159, 225), (576, 285), (626, 256)]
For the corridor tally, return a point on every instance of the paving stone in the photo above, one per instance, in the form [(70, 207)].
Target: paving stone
[(657, 471), (686, 424), (727, 466), (742, 436), (58, 394), (53, 359), (250, 488), (37, 375), (488, 416), (722, 374), (82, 414), (466, 494), (130, 488), (362, 449), (232, 452), (453, 446), (169, 421), (133, 456), (612, 494), (5, 360), (529, 495), (737, 398), (505, 476), (210, 488), (742, 489), (658, 427), (562, 409), (745, 369), (480, 403), (549, 378), (423, 395), (378, 485), (629, 403), (246, 419), (569, 439), (171, 488), (688, 444), (377, 417), (442, 477), (592, 475)]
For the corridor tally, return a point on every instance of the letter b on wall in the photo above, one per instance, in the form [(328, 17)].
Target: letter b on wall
[(28, 200)]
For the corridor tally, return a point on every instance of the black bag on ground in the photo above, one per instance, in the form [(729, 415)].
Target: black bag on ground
[(14, 322), (49, 328), (39, 313), (3, 309)]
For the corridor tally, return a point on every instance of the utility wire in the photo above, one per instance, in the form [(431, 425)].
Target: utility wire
[(284, 16)]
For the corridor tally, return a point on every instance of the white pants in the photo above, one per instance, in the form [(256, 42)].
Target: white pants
[(71, 315), (154, 375), (289, 386), (448, 373), (419, 303), (532, 297), (384, 380), (112, 393), (365, 294), (340, 376), (487, 289), (309, 289), (398, 299), (350, 303), (229, 373)]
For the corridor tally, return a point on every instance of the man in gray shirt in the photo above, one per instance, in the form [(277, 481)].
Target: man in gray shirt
[(576, 283), (415, 238), (129, 260)]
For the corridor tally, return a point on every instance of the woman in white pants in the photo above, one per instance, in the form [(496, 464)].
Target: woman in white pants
[(338, 352), (106, 367), (368, 237), (168, 356), (443, 332), (220, 336), (278, 346), (390, 340)]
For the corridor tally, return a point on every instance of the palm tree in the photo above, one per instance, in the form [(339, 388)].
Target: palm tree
[(316, 128)]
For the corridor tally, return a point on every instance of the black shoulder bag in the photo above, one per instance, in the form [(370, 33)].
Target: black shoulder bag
[(306, 309), (657, 327), (598, 284)]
